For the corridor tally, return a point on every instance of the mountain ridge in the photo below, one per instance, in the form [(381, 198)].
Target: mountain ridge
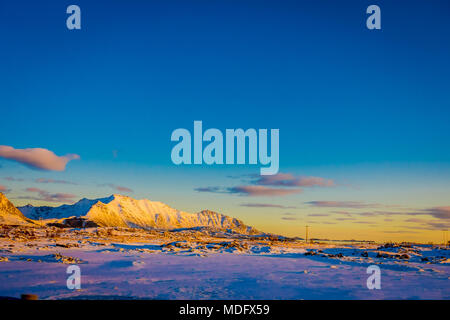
[(9, 214), (123, 211)]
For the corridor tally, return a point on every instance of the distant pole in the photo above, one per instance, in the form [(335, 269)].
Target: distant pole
[(307, 234)]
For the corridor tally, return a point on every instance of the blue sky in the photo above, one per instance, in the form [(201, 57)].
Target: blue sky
[(368, 109)]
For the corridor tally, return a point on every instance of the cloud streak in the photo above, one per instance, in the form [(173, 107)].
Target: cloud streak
[(211, 189), (439, 212), (37, 158), (116, 187), (342, 204), (251, 191), (281, 184), (51, 197), (4, 189), (258, 191), (42, 180), (12, 179), (442, 213), (318, 215), (289, 218), (289, 180), (266, 205)]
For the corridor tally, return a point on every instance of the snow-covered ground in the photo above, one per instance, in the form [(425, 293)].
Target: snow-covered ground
[(191, 266)]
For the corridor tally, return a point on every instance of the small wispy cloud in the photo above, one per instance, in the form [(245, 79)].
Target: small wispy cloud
[(37, 158), (399, 231), (442, 224), (266, 205), (321, 222), (258, 191), (44, 195), (12, 179), (289, 218), (212, 189), (342, 204), (439, 212), (439, 225), (276, 185), (416, 220), (42, 180), (442, 213), (289, 180), (345, 219), (251, 191), (364, 222), (318, 215), (346, 213), (4, 189), (116, 187)]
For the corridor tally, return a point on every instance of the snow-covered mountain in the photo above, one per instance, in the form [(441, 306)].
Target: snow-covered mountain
[(78, 209), (123, 211), (9, 214)]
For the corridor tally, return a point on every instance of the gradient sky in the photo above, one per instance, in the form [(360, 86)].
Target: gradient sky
[(367, 110)]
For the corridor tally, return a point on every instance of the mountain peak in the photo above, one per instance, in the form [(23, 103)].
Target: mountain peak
[(119, 196), (9, 214), (86, 201), (208, 212), (124, 211)]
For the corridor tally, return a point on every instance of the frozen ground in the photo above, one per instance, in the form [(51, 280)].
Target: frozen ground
[(189, 265)]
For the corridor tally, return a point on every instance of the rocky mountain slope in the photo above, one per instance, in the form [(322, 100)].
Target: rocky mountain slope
[(77, 209), (9, 214), (123, 211)]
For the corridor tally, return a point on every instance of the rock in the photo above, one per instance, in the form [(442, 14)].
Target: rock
[(56, 224), (67, 245), (66, 259), (76, 222)]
